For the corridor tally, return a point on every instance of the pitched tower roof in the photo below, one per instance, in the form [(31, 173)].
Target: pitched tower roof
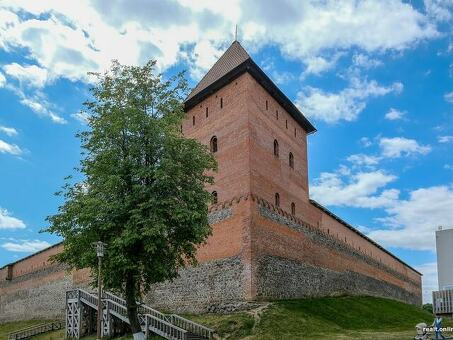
[(233, 63), (234, 56)]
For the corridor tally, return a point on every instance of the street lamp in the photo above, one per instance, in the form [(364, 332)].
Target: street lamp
[(100, 254)]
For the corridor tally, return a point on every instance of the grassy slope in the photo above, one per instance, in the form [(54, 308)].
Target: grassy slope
[(328, 318), (321, 318)]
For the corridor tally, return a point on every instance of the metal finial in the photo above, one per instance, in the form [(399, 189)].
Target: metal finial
[(236, 34)]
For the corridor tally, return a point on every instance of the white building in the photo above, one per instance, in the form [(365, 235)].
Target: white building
[(443, 299), (444, 246)]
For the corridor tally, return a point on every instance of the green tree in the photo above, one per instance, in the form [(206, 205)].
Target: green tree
[(143, 188)]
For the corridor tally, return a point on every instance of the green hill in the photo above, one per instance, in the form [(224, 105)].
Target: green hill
[(319, 318), (323, 318)]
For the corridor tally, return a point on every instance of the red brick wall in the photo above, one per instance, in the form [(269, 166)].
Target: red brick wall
[(230, 125)]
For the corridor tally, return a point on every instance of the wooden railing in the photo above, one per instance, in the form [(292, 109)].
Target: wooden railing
[(163, 328), (191, 326), (28, 332), (172, 327), (443, 302)]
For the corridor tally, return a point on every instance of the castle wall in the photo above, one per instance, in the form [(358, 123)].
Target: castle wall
[(293, 260), (256, 252)]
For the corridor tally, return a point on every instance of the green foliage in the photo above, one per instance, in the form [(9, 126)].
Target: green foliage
[(143, 189), (428, 307)]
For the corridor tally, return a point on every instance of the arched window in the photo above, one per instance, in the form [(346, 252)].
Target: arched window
[(277, 199), (275, 148), (293, 208), (214, 197), (213, 144), (291, 160)]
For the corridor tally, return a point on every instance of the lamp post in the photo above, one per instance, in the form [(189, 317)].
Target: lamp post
[(100, 254)]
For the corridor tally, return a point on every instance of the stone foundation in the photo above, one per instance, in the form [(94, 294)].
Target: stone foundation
[(280, 278), (211, 286), (37, 296)]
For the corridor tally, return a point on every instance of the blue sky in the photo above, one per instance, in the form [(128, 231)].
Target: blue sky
[(374, 77)]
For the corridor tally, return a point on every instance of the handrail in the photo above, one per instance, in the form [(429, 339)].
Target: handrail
[(172, 326), (35, 330), (191, 326), (164, 328)]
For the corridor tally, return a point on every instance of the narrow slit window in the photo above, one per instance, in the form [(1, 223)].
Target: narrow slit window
[(267, 105), (286, 124), (275, 148), (214, 197), (291, 160), (207, 112), (295, 132), (277, 199), (193, 120), (276, 114), (293, 208), (221, 102)]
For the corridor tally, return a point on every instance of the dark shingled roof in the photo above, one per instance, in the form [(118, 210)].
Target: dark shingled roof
[(234, 62), (234, 56)]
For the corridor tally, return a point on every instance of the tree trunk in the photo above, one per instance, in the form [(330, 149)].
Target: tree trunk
[(131, 303)]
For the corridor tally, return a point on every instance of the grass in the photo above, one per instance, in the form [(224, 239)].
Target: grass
[(324, 318), (321, 318)]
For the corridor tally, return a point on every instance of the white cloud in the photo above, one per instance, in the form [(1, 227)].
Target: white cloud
[(448, 97), (204, 55), (429, 280), (344, 105), (411, 223), (362, 189), (2, 80), (283, 77), (445, 139), (316, 64), (362, 159), (12, 149), (9, 131), (394, 114), (439, 10), (82, 117), (400, 146), (366, 142), (69, 39), (26, 246), (37, 102), (9, 222), (448, 166), (29, 74), (364, 61)]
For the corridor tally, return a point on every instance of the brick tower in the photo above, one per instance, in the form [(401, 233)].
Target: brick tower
[(269, 239)]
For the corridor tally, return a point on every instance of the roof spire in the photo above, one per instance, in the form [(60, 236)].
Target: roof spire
[(236, 33)]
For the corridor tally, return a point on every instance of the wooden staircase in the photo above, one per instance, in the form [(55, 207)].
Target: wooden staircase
[(81, 307)]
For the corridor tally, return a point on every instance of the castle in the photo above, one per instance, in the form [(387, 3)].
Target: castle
[(269, 241)]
